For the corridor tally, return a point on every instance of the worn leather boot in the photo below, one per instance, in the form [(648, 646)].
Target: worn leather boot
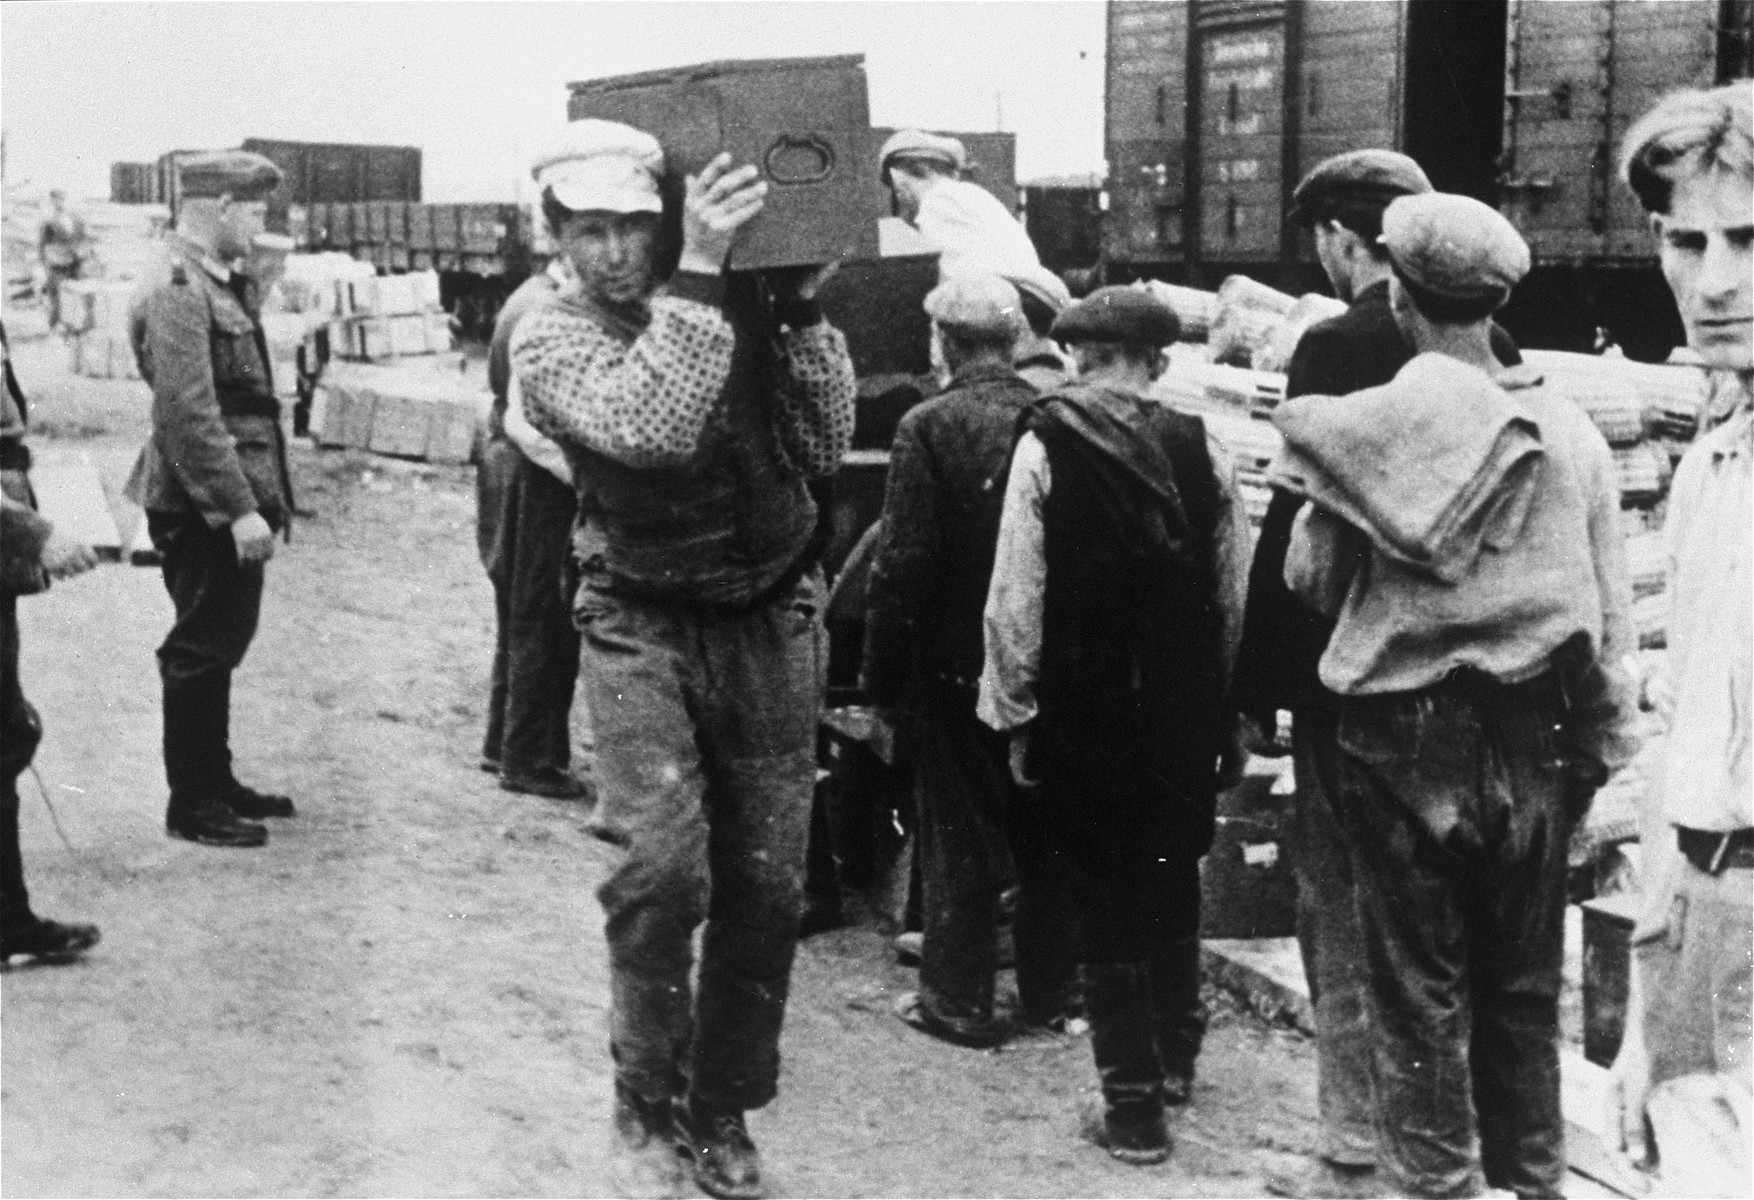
[(1178, 1016), (716, 1140), (1117, 1002)]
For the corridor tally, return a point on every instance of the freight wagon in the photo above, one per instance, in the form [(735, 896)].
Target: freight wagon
[(1215, 109)]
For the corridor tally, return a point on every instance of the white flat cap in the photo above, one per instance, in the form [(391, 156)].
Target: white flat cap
[(602, 166), (979, 302), (917, 143)]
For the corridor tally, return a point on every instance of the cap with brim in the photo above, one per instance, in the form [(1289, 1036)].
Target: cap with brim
[(1454, 246), (1042, 284), (917, 143), (979, 303), (1359, 177), (602, 166), (240, 174), (1118, 314)]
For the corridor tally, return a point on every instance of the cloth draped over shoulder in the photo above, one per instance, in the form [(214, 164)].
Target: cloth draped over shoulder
[(1431, 467), (1112, 443)]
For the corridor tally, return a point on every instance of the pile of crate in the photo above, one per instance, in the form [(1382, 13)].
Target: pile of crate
[(431, 410), (397, 235), (379, 317), (96, 313)]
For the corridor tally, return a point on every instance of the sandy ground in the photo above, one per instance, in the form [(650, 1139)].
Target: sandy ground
[(403, 994)]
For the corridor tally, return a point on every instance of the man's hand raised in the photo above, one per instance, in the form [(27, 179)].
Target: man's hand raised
[(719, 202)]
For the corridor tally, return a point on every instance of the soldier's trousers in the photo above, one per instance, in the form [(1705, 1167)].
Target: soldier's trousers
[(218, 602), (1452, 797), (536, 648), (1332, 946), (706, 761), (20, 731)]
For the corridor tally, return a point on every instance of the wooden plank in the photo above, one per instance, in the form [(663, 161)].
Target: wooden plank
[(72, 497)]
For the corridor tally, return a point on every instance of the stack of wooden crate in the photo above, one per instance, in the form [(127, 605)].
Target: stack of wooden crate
[(428, 409), (380, 317), (96, 310)]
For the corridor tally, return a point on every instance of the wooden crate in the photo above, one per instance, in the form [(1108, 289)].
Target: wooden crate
[(803, 122), (452, 433), (400, 426), (361, 414)]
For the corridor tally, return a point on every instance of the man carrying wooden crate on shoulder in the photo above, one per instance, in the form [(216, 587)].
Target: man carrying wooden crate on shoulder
[(1686, 1066), (699, 408)]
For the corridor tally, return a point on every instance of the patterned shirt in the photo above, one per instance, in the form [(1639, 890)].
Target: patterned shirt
[(646, 403)]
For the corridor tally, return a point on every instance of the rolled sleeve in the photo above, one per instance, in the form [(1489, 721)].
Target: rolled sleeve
[(1016, 594)]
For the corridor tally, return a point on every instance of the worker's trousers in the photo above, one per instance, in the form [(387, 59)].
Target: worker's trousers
[(706, 733), (1452, 797)]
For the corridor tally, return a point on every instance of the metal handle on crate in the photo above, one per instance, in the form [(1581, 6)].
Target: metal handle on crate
[(798, 158)]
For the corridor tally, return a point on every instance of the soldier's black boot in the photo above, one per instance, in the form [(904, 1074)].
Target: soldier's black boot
[(1117, 1003), (242, 799), (197, 767), (1178, 1016)]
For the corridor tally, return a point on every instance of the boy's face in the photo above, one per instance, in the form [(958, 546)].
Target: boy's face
[(614, 254), (1704, 246)]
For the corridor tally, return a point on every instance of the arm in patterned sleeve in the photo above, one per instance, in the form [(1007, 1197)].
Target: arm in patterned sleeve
[(816, 424), (643, 403), (187, 426), (898, 597), (1015, 596)]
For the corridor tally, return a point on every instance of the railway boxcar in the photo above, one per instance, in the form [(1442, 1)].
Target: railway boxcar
[(1215, 108)]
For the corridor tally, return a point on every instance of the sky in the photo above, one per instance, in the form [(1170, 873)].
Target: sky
[(476, 84)]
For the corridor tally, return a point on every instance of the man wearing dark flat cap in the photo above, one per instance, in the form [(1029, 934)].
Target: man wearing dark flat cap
[(1463, 533), (212, 478), (1111, 624), (1341, 202)]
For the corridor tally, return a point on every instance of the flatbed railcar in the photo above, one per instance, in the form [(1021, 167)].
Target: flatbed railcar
[(1215, 108)]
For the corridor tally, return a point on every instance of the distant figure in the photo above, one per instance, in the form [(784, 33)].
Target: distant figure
[(1687, 1061), (923, 656), (31, 553), (62, 248), (213, 481), (1110, 626), (526, 507)]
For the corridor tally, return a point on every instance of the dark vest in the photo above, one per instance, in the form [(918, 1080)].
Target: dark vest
[(1132, 656), (736, 526)]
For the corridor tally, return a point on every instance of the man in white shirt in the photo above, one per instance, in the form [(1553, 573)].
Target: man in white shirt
[(1684, 1068)]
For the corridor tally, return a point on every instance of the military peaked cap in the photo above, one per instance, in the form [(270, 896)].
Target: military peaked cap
[(1454, 246), (1358, 176), (1117, 314), (240, 174)]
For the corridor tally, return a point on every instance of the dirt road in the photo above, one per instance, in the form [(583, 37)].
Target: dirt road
[(403, 993)]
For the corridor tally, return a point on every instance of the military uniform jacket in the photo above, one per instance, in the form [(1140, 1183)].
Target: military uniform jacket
[(216, 447)]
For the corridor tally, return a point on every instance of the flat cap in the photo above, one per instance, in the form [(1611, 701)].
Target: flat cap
[(1358, 176), (1041, 283), (594, 165), (1454, 246), (1118, 314), (978, 302), (917, 143), (240, 174)]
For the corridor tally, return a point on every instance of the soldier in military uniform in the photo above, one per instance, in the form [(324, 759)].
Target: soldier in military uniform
[(213, 480)]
